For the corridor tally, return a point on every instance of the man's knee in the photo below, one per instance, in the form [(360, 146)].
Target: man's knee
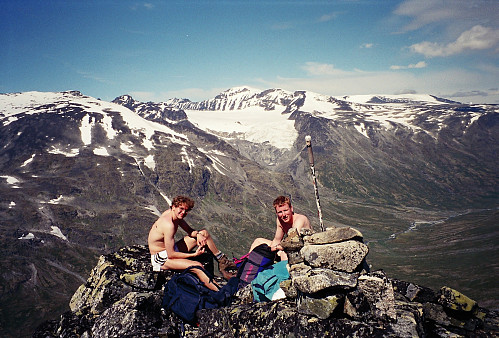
[(204, 232), (259, 241)]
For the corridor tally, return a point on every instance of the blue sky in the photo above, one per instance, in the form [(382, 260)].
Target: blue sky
[(156, 50)]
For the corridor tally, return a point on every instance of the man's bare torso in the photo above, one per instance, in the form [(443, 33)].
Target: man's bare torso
[(156, 239)]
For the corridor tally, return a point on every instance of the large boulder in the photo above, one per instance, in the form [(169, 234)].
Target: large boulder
[(344, 256)]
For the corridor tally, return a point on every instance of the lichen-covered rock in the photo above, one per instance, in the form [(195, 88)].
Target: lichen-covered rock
[(319, 307), (293, 241), (455, 300), (137, 314), (289, 289), (345, 256), (122, 298), (316, 280), (102, 289), (294, 257), (379, 293), (334, 235)]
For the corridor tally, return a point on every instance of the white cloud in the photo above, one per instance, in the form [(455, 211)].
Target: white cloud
[(325, 79), (477, 38), (146, 5), (367, 45), (453, 14), (420, 64), (321, 69), (328, 17)]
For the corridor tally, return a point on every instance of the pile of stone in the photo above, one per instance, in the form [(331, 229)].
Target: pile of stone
[(330, 293)]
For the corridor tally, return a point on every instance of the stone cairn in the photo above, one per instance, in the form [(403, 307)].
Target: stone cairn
[(330, 293)]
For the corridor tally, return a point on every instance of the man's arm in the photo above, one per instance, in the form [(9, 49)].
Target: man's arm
[(169, 232), (198, 236), (279, 234)]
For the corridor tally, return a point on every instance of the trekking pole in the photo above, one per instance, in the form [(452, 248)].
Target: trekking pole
[(308, 141)]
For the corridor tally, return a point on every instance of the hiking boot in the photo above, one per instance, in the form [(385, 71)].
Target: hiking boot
[(227, 268)]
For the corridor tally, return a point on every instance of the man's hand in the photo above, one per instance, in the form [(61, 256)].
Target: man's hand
[(199, 251), (201, 240), (276, 247)]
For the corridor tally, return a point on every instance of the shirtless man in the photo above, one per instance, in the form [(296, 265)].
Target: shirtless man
[(286, 219), (168, 255)]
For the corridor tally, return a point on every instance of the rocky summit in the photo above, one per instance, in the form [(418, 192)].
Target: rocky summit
[(330, 293)]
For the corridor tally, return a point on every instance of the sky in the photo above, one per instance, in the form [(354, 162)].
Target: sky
[(157, 50)]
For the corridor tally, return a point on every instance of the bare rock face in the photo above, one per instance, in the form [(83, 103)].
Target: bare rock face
[(330, 292)]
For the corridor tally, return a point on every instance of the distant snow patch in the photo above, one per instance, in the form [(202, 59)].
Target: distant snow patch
[(255, 124), (57, 232), (154, 210), (362, 129), (101, 151), (187, 159), (86, 130), (12, 181), (58, 151), (126, 147), (55, 200), (149, 162), (12, 204), (28, 161), (107, 122), (28, 236)]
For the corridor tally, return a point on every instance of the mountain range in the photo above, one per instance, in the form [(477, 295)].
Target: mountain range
[(79, 177)]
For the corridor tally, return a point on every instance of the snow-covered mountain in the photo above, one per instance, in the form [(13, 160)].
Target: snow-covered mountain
[(80, 176), (267, 116)]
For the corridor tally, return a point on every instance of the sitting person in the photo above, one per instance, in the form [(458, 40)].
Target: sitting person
[(286, 219), (168, 255)]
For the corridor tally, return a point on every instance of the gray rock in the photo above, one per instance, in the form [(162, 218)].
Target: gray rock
[(344, 256), (293, 241), (316, 280), (334, 235), (379, 293), (294, 257), (319, 307)]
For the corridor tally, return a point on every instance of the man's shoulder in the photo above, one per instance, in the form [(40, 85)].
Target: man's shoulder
[(165, 220), (302, 221)]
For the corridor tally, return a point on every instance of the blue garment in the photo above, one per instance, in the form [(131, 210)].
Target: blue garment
[(267, 281)]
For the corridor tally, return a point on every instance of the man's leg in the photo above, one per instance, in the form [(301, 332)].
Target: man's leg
[(282, 255), (259, 241), (182, 264), (227, 268)]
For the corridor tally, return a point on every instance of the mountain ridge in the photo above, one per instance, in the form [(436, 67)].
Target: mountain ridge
[(85, 176)]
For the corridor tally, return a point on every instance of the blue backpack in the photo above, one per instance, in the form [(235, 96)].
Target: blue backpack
[(185, 294)]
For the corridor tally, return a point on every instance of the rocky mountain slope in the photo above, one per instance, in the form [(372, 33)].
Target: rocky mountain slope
[(327, 293), (80, 177)]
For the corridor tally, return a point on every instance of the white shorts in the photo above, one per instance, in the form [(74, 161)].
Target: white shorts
[(158, 259)]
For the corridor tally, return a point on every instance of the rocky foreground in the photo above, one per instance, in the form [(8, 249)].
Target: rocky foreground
[(330, 293)]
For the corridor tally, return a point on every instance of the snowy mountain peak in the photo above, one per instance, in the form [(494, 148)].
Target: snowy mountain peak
[(245, 90)]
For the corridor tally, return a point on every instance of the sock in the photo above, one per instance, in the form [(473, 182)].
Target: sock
[(219, 255)]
